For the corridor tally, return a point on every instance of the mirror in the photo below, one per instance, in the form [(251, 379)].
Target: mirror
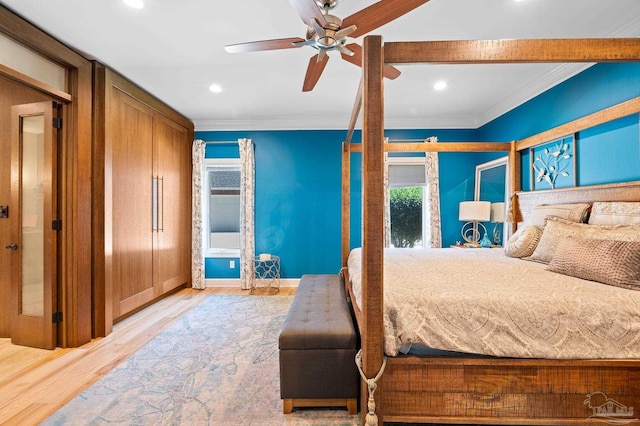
[(491, 184)]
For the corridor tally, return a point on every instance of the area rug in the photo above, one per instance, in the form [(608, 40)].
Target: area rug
[(216, 365)]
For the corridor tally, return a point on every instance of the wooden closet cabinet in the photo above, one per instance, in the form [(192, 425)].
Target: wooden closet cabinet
[(143, 215), (172, 162)]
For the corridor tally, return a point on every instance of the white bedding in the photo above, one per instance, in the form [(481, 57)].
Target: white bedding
[(481, 301)]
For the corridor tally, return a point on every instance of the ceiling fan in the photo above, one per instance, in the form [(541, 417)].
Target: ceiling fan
[(326, 32)]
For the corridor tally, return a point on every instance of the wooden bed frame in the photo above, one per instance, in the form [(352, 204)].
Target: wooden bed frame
[(478, 390)]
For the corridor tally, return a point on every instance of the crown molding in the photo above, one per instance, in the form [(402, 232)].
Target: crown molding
[(532, 89), (334, 123)]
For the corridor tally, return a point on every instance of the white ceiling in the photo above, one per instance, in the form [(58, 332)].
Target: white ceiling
[(175, 50)]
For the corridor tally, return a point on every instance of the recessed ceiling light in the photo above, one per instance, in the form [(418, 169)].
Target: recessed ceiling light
[(440, 85), (136, 4), (215, 88)]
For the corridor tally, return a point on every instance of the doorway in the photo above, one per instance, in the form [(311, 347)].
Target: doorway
[(33, 224)]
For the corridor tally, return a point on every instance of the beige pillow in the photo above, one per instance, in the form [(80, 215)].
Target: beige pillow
[(557, 229), (615, 213), (523, 242), (612, 262), (572, 212)]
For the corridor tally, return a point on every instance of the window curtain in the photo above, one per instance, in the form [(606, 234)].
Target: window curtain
[(432, 199), (387, 200), (197, 240), (433, 195), (247, 233)]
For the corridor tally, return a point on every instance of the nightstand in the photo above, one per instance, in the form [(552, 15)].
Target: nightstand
[(267, 279)]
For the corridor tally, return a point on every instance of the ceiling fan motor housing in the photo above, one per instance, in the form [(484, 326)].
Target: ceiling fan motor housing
[(328, 40)]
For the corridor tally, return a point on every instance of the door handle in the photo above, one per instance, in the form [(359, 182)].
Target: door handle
[(12, 246)]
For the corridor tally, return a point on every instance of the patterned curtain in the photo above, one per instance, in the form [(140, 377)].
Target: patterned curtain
[(433, 195), (197, 240), (434, 232), (247, 235), (387, 200)]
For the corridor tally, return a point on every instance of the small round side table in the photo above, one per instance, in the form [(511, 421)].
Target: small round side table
[(267, 279)]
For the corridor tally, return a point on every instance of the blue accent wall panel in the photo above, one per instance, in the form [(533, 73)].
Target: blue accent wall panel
[(598, 87), (608, 154), (297, 197), (219, 267), (457, 183), (299, 189), (229, 149)]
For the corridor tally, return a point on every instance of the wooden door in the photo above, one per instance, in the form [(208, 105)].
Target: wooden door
[(130, 137), (34, 225), (172, 152), (12, 94)]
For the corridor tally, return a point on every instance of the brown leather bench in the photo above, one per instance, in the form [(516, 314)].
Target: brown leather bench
[(318, 344)]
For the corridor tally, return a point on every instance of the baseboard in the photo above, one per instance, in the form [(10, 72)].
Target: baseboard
[(235, 282)]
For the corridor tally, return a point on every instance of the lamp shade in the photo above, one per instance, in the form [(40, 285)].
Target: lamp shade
[(497, 212), (475, 211)]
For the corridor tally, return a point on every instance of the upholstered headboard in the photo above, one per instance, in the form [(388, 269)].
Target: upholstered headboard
[(525, 201)]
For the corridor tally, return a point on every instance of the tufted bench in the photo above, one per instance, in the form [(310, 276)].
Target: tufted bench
[(318, 344)]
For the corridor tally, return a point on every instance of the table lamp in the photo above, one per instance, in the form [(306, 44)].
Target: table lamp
[(497, 218), (474, 212)]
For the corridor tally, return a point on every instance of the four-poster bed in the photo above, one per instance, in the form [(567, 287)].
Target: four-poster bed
[(472, 389)]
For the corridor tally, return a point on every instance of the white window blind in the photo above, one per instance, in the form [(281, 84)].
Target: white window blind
[(405, 175), (224, 206)]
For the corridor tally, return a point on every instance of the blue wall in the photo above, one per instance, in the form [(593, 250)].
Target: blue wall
[(298, 194), (297, 197), (298, 173), (605, 154)]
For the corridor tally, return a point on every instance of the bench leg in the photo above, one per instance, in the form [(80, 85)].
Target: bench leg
[(352, 405), (287, 406)]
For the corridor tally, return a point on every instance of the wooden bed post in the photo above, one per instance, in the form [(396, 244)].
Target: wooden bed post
[(373, 218), (346, 202), (514, 183), (346, 176)]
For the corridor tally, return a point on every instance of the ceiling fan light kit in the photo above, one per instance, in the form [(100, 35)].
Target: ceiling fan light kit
[(325, 33)]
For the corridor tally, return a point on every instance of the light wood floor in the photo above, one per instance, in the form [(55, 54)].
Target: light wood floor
[(34, 383)]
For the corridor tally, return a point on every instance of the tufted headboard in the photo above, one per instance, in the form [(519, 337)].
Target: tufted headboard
[(524, 202)]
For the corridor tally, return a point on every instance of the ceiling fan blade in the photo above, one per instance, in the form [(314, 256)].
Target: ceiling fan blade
[(378, 14), (255, 46), (388, 71), (314, 71), (345, 50), (344, 32), (305, 43), (321, 55), (307, 10), (316, 26)]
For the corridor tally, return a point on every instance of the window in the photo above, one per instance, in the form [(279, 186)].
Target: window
[(222, 200), (408, 208)]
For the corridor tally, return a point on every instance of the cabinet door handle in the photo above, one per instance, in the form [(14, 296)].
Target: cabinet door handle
[(154, 203), (12, 246), (161, 204)]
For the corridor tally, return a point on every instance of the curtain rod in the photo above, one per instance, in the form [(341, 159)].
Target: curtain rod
[(221, 142)]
